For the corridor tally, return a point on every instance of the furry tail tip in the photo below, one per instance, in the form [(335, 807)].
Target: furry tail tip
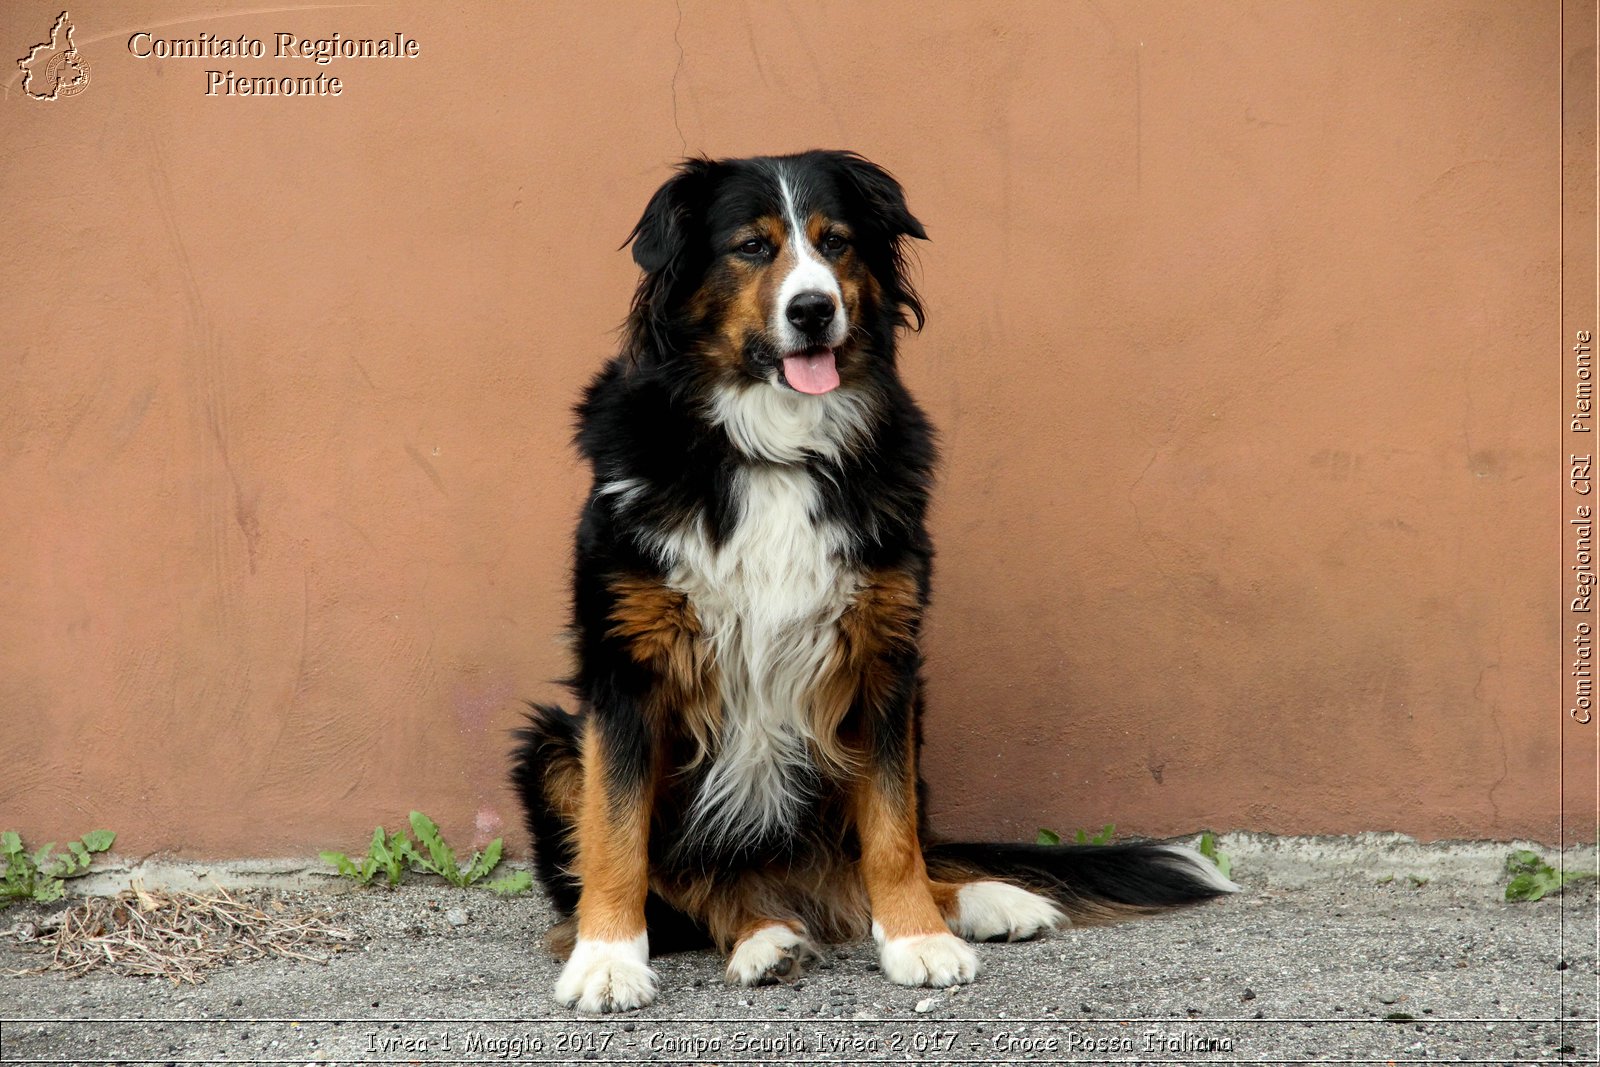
[(1092, 883)]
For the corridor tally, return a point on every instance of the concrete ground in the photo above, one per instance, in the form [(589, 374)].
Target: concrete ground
[(1333, 953)]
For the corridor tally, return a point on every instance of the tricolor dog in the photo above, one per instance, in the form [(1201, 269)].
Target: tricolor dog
[(750, 579)]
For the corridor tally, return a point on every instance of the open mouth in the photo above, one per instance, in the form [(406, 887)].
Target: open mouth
[(812, 370)]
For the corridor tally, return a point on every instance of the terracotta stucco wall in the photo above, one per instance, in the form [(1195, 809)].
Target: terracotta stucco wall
[(1243, 342)]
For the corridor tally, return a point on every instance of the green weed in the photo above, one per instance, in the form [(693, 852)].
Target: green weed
[(1208, 848), (41, 875), (394, 853), (1533, 879), (441, 860), (389, 853), (1082, 837)]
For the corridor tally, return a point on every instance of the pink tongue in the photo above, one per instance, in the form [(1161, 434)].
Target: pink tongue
[(811, 374)]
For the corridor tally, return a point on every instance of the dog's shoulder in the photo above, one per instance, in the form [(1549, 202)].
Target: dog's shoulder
[(628, 412)]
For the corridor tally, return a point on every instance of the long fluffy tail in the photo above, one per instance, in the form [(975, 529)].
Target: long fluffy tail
[(1092, 883)]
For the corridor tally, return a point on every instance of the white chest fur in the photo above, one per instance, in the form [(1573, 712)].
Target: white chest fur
[(768, 600)]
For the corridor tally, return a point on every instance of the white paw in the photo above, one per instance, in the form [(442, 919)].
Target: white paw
[(773, 953), (989, 910), (603, 976), (927, 959)]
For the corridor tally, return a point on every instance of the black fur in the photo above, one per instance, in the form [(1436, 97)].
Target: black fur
[(551, 735)]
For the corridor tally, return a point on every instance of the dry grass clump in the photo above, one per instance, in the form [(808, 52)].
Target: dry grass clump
[(176, 934)]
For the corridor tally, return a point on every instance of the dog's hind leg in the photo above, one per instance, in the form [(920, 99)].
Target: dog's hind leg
[(770, 951), (547, 773), (984, 909), (755, 917)]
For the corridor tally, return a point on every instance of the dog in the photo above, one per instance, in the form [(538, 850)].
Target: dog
[(751, 577)]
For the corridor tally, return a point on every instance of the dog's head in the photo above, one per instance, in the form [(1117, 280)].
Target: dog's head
[(785, 271)]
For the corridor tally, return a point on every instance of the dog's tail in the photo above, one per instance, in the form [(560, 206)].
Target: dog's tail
[(1091, 883)]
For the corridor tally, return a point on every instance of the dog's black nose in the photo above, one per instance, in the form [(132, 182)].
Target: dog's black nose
[(811, 312)]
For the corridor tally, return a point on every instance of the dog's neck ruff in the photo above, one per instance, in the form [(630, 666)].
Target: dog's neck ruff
[(768, 422)]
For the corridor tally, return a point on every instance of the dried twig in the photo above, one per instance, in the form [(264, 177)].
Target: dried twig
[(177, 934)]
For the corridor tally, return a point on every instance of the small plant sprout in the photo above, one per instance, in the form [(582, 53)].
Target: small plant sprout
[(40, 875), (1082, 837), (1533, 879), (394, 853), (389, 853), (1208, 848), (441, 860)]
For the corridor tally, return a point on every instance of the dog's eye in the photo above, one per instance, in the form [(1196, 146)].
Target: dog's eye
[(753, 247), (834, 243)]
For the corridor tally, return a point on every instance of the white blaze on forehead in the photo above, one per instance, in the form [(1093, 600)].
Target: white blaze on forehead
[(809, 273)]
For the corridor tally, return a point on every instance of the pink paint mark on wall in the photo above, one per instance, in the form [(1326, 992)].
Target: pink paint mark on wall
[(475, 699), (486, 827)]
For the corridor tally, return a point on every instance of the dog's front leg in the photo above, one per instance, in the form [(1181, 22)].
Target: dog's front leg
[(609, 969), (915, 946)]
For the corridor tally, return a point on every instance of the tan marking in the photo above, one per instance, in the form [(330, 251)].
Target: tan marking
[(613, 857), (880, 620), (850, 289), (563, 785), (755, 923), (663, 633), (856, 284), (891, 855), (947, 897), (736, 298), (560, 939)]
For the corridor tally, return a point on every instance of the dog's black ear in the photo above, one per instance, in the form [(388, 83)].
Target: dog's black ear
[(664, 247), (883, 205), (662, 234), (882, 195)]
